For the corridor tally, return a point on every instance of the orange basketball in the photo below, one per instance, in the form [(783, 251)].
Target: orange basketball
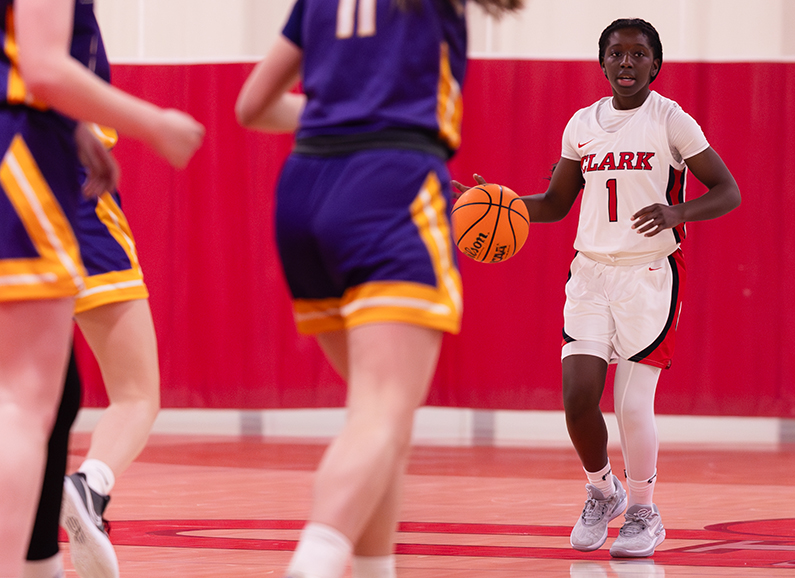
[(490, 223)]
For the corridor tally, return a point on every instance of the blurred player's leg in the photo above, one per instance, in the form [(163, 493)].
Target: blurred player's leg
[(360, 467), (34, 351), (122, 337), (44, 557)]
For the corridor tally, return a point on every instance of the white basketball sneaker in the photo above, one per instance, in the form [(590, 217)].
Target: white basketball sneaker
[(590, 531), (641, 533)]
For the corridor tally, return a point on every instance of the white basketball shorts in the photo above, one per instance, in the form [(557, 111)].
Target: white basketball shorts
[(631, 311)]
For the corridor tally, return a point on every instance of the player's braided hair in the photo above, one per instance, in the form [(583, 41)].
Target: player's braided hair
[(494, 7), (645, 28)]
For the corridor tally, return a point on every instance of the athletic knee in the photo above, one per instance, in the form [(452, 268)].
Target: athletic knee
[(391, 432), (150, 406), (634, 416), (142, 407), (583, 383), (580, 399), (398, 432)]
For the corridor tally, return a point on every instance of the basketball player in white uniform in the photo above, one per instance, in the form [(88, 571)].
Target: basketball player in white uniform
[(629, 154)]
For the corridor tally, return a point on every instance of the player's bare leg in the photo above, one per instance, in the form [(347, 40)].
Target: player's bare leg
[(335, 347), (34, 350), (390, 368), (583, 383), (376, 545), (378, 537), (122, 337)]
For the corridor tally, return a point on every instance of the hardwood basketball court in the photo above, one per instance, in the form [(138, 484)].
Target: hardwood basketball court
[(227, 506)]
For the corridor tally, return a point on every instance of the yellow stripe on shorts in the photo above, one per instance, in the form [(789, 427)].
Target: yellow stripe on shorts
[(58, 271)]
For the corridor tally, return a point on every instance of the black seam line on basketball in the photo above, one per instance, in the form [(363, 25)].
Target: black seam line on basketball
[(496, 222), (513, 233), (513, 229), (496, 225), (489, 204), (510, 222), (521, 215), (472, 226)]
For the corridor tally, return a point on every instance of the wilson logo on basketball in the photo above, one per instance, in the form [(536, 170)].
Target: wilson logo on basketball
[(490, 223), (480, 243)]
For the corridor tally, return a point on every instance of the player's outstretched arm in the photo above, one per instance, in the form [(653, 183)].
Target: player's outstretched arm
[(264, 102), (565, 185), (43, 29), (722, 196), (555, 203)]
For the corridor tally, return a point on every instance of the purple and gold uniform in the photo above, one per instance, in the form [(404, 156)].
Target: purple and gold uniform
[(362, 218), (106, 242), (103, 233), (39, 188), (40, 260)]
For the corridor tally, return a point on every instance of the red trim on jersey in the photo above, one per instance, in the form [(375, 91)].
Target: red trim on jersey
[(660, 352), (675, 193)]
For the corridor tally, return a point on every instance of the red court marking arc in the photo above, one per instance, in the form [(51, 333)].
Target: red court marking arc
[(730, 544)]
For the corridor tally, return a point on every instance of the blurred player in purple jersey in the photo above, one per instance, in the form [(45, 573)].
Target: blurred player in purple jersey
[(628, 153), (364, 238), (113, 314), (45, 91)]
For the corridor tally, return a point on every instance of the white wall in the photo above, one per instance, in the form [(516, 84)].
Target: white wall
[(242, 30)]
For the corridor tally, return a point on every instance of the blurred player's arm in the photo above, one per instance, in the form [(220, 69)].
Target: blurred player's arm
[(264, 102), (44, 32)]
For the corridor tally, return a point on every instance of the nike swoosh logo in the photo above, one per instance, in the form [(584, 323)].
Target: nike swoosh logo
[(654, 268), (580, 145)]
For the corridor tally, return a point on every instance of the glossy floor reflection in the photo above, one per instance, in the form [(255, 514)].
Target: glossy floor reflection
[(233, 507)]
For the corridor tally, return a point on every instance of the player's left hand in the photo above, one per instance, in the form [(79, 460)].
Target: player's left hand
[(102, 169), (459, 189), (650, 220)]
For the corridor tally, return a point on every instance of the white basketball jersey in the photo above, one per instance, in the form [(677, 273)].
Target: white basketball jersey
[(636, 165)]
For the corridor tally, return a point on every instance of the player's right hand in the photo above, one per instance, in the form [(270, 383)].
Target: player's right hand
[(102, 171), (179, 138), (459, 189)]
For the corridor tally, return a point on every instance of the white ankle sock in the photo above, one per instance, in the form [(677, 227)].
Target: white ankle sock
[(602, 480), (373, 567), (51, 567), (641, 491), (322, 552), (99, 476)]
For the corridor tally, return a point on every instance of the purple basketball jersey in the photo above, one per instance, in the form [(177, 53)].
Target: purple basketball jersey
[(359, 76)]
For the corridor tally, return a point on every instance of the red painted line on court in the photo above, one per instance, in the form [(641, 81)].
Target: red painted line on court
[(753, 543)]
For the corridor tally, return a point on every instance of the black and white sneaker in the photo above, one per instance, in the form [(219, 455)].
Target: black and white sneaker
[(92, 553)]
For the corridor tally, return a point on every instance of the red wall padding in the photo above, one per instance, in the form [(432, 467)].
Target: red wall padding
[(223, 316)]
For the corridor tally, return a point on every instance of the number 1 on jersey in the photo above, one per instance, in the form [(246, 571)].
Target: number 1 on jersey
[(612, 200), (347, 18)]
